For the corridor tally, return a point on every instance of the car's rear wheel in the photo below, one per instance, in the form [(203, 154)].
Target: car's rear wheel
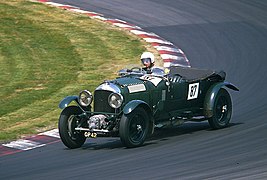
[(134, 128), (222, 110), (66, 125)]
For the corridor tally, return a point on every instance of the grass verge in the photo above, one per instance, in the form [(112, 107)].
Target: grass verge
[(47, 54)]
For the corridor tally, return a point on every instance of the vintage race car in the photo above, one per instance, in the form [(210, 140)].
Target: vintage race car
[(136, 102)]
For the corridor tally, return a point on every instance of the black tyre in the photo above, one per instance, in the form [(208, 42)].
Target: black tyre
[(134, 128), (222, 110), (66, 125)]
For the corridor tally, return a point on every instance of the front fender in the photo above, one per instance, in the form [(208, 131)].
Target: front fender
[(211, 96), (67, 100), (130, 106)]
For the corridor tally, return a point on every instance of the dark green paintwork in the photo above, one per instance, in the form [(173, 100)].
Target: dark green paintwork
[(66, 101), (211, 95), (165, 99), (130, 106)]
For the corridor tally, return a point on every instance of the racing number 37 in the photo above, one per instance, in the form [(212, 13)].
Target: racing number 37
[(193, 91)]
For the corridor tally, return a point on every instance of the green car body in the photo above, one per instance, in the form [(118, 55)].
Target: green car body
[(134, 103)]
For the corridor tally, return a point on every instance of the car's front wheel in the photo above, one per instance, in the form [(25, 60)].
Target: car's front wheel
[(134, 128), (66, 125), (222, 110)]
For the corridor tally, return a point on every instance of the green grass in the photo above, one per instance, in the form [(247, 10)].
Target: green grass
[(48, 53)]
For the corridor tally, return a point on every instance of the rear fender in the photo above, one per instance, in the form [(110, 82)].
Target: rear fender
[(67, 100), (211, 96)]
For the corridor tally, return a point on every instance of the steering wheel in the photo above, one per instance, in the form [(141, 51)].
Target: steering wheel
[(136, 69)]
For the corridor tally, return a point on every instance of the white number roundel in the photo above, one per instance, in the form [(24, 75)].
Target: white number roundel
[(193, 91)]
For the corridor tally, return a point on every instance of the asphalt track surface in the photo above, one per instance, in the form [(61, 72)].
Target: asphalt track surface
[(229, 35)]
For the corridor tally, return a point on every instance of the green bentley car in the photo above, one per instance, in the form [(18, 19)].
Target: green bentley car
[(136, 102)]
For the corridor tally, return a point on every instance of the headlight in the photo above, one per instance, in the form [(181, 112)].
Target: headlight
[(115, 100), (85, 98)]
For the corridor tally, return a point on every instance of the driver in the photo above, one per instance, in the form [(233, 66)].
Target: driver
[(148, 60)]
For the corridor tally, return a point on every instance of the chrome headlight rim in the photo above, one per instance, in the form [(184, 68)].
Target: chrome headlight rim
[(85, 98), (115, 100)]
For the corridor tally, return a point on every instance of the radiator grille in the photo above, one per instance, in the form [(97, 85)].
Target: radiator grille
[(101, 102)]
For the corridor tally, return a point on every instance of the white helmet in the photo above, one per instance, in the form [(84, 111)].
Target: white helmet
[(148, 55)]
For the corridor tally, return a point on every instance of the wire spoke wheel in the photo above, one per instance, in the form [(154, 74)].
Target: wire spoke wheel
[(71, 127), (137, 125), (67, 124), (222, 110), (134, 128)]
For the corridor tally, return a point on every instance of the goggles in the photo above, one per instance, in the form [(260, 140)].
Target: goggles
[(146, 60)]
